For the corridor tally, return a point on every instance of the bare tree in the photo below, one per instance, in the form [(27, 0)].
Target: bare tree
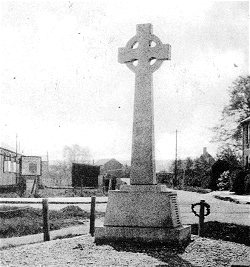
[(76, 154), (229, 133)]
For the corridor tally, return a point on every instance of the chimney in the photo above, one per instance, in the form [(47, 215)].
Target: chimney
[(204, 151)]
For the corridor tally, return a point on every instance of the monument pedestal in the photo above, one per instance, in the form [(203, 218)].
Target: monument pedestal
[(143, 213)]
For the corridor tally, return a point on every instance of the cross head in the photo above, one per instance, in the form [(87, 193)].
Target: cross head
[(144, 51)]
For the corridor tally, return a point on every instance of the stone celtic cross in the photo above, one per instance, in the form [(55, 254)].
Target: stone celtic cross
[(143, 54)]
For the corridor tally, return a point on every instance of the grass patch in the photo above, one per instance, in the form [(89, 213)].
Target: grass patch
[(197, 189), (65, 236), (26, 221), (225, 231), (230, 199)]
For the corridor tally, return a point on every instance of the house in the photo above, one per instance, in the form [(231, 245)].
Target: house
[(245, 142), (110, 172), (207, 157)]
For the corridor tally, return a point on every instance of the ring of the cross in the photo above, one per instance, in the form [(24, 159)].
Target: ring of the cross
[(154, 64)]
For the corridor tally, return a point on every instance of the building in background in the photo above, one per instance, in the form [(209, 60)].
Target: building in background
[(20, 174), (245, 142), (112, 173), (9, 168), (84, 175), (207, 157)]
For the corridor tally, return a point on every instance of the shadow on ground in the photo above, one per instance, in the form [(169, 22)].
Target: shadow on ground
[(167, 254), (225, 231)]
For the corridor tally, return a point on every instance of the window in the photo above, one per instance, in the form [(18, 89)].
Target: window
[(7, 166), (32, 168)]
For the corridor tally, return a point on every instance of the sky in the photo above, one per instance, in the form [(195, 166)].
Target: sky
[(61, 83)]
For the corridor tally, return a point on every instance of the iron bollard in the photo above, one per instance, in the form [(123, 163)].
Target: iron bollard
[(202, 215)]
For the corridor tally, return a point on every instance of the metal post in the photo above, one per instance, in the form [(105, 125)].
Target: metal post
[(46, 220), (201, 219), (92, 217)]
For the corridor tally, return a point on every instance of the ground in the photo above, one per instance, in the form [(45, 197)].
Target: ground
[(82, 251)]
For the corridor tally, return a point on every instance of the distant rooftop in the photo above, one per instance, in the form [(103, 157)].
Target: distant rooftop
[(103, 161)]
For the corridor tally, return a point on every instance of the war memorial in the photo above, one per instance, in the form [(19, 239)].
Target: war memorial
[(143, 211)]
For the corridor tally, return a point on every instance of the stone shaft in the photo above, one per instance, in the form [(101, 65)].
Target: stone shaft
[(149, 55), (143, 154)]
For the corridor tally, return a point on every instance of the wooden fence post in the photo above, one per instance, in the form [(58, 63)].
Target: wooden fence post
[(46, 236), (81, 187), (34, 185), (92, 217)]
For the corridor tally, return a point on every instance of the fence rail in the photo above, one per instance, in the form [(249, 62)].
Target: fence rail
[(50, 202)]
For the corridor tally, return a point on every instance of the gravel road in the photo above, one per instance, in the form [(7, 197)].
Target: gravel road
[(82, 251)]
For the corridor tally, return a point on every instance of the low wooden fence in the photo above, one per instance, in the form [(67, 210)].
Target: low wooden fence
[(45, 208)]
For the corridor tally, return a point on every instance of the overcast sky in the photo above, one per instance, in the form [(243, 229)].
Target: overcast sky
[(61, 83)]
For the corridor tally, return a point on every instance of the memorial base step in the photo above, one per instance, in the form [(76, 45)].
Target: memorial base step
[(166, 236)]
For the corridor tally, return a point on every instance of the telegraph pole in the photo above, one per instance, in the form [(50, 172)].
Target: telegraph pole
[(16, 163), (16, 144), (175, 168)]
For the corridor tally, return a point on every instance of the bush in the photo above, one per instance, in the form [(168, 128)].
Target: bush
[(233, 176), (247, 184), (224, 181), (217, 169), (238, 182), (197, 189)]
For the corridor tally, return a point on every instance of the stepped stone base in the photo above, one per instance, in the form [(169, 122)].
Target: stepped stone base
[(177, 236), (143, 213)]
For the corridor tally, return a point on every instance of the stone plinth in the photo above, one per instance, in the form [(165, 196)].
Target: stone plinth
[(143, 214)]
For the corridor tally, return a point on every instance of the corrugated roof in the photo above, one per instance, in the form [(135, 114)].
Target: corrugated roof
[(11, 151)]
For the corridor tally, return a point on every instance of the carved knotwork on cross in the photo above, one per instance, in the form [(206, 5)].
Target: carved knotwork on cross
[(145, 49)]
